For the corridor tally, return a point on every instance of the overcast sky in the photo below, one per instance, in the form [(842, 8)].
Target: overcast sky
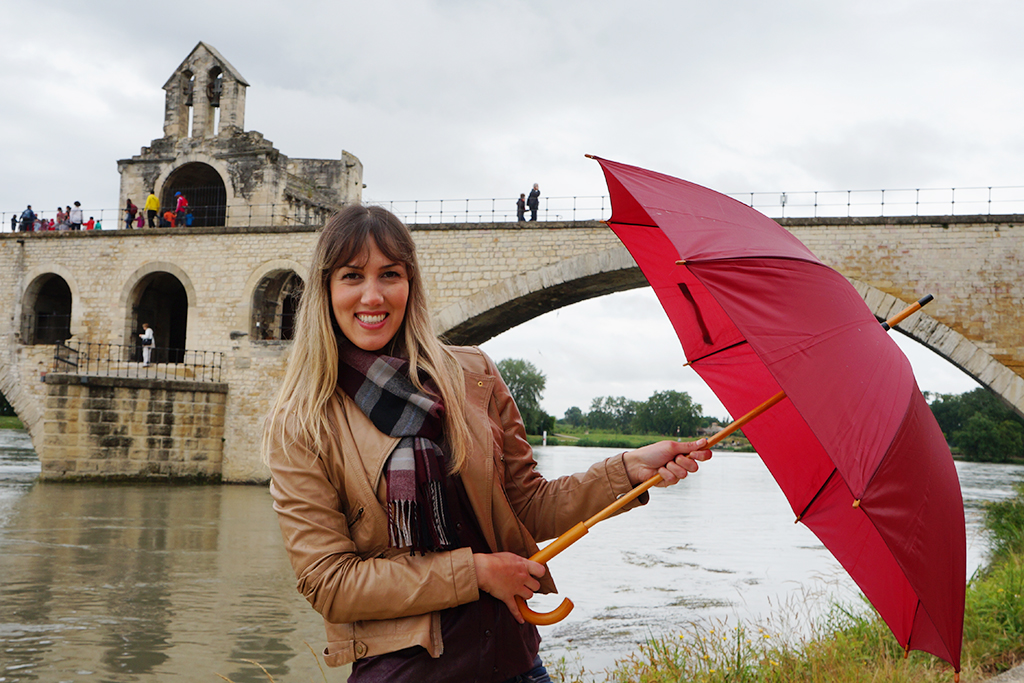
[(458, 99)]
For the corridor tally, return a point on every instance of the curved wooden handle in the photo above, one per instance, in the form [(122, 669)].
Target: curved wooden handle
[(545, 618), (543, 555)]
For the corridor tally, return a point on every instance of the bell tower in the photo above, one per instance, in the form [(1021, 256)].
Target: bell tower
[(205, 96), (230, 176)]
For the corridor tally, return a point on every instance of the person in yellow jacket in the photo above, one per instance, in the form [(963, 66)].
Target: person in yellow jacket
[(152, 207)]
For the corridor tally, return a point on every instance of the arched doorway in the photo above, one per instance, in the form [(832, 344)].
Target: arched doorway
[(275, 302), (204, 190), (46, 317), (161, 301)]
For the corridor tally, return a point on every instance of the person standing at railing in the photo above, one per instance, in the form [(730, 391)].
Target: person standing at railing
[(28, 217), (180, 209), (76, 217), (147, 344), (130, 210), (521, 207), (152, 207), (534, 201)]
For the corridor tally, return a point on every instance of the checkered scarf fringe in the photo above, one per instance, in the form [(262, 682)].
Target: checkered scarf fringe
[(415, 472)]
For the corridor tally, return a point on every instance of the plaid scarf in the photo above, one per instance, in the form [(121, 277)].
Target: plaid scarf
[(416, 470)]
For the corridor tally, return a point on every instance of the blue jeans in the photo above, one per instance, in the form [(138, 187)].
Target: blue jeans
[(538, 674)]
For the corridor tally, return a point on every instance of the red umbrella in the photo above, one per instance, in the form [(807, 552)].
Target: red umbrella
[(848, 435)]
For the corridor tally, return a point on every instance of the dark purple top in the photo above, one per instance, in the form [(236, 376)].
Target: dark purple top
[(482, 642)]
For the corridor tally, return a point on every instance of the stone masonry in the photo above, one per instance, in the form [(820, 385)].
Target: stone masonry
[(125, 427), (481, 280)]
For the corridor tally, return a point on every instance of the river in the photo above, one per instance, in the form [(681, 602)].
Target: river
[(120, 583)]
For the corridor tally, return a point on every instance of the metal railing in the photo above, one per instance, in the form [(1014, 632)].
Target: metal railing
[(498, 210), (955, 201), (983, 200), (120, 360)]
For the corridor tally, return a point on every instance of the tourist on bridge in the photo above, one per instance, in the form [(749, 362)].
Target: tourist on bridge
[(28, 217), (152, 207), (406, 491), (534, 201), (130, 210), (14, 222), (147, 344), (76, 217), (180, 209), (521, 207)]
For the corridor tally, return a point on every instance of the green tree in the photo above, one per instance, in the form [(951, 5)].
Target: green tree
[(980, 424), (524, 380), (984, 439), (526, 384), (952, 411), (574, 416), (612, 413), (669, 413), (6, 408)]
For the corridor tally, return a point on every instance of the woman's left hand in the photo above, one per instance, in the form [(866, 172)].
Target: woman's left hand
[(673, 460)]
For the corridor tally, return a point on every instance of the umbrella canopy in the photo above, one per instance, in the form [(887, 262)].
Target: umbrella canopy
[(854, 446)]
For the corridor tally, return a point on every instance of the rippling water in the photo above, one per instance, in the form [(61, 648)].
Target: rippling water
[(145, 582)]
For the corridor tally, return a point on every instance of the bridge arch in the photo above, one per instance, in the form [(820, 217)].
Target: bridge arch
[(525, 296), (516, 300), (272, 296), (164, 293), (53, 293)]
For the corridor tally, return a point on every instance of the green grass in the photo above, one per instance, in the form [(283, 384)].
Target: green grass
[(10, 422)]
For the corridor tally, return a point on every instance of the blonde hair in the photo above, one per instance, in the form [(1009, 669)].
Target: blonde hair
[(312, 373)]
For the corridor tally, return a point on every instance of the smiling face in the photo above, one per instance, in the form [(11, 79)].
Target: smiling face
[(368, 298)]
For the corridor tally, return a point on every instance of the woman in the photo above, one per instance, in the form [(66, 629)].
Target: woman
[(407, 494), (129, 214)]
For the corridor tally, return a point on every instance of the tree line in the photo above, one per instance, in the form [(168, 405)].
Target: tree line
[(668, 413), (977, 424)]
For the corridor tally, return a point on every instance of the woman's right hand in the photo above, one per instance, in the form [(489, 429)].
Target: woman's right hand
[(506, 575)]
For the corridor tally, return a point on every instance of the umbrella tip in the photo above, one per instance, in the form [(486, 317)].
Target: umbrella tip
[(856, 503), (590, 156)]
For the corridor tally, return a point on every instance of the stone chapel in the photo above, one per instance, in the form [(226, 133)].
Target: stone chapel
[(230, 176)]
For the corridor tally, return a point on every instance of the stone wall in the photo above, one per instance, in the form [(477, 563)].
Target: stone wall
[(118, 427)]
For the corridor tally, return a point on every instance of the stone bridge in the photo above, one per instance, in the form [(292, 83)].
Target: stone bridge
[(233, 291)]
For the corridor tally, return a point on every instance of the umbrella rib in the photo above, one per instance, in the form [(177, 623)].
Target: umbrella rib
[(717, 351), (815, 497)]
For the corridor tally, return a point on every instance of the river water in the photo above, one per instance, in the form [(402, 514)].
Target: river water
[(120, 583)]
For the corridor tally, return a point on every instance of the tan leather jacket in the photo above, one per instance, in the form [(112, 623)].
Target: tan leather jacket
[(376, 599)]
